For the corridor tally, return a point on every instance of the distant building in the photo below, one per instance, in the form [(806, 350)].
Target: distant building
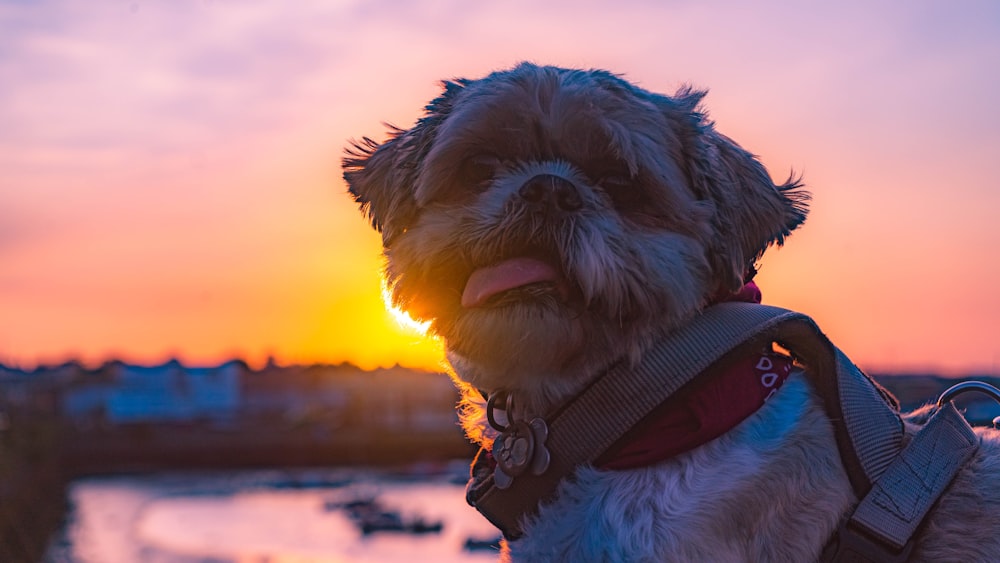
[(157, 394), (173, 393), (328, 399), (403, 400)]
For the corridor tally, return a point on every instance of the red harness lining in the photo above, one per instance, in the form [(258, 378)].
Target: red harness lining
[(704, 409), (701, 412)]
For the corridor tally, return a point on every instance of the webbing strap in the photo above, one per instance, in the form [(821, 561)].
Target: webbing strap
[(876, 434), (585, 428), (618, 401), (901, 498), (596, 418)]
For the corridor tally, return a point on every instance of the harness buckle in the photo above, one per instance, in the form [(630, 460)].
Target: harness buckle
[(852, 545)]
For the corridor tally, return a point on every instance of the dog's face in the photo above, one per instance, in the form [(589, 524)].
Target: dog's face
[(549, 221)]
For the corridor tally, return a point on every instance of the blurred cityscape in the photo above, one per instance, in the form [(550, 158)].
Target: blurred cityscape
[(58, 423)]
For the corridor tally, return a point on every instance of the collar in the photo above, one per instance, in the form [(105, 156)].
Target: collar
[(699, 412)]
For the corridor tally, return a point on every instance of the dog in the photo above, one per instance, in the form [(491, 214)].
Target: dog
[(549, 223)]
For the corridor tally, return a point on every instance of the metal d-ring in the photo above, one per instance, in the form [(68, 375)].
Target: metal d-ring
[(959, 388), (491, 404)]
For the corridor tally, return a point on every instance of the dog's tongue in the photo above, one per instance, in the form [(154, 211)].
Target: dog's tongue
[(515, 272)]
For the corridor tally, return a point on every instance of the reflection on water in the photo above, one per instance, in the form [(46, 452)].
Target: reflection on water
[(272, 517)]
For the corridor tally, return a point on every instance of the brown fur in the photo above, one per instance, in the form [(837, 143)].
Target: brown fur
[(666, 214)]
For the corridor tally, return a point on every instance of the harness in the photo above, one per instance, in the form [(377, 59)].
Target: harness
[(897, 485)]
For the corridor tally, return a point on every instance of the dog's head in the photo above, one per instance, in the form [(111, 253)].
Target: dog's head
[(549, 221)]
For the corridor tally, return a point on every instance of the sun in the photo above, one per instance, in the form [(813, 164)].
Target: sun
[(402, 318)]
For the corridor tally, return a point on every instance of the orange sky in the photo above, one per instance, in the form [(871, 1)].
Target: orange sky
[(170, 184)]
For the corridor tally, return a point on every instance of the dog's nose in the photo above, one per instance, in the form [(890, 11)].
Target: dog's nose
[(549, 190)]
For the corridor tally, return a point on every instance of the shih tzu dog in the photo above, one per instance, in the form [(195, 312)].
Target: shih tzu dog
[(551, 223)]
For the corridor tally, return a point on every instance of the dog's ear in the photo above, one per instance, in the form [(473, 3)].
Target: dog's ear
[(750, 212), (382, 177)]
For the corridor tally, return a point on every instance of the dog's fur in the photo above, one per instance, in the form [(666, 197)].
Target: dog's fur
[(655, 215)]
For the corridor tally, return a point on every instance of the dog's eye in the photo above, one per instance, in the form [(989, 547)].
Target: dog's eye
[(624, 191), (615, 178), (609, 173), (615, 182), (479, 169)]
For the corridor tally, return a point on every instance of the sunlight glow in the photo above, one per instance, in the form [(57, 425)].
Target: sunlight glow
[(402, 318), (201, 214)]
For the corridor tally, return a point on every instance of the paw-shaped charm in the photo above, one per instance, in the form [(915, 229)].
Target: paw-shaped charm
[(520, 448)]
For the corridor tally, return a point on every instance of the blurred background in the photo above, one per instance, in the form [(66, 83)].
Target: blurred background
[(188, 296)]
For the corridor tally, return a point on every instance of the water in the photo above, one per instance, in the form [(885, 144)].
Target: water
[(264, 517)]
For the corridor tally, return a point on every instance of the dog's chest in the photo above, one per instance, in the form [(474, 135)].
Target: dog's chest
[(772, 488)]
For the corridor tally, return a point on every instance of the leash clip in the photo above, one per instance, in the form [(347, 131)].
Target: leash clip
[(491, 406)]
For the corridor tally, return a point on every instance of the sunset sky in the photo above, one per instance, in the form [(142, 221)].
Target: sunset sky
[(170, 181)]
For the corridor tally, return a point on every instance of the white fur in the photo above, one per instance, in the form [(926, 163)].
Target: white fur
[(683, 509), (771, 489)]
